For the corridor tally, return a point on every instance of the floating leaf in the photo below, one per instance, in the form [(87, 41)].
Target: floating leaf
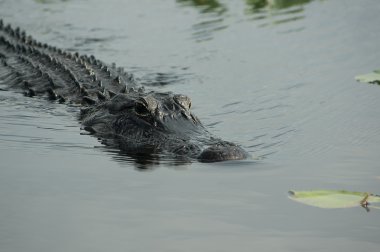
[(373, 77), (334, 199)]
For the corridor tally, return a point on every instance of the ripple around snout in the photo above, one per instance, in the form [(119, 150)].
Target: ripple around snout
[(152, 161)]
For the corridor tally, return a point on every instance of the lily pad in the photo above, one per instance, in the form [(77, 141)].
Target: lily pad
[(373, 77), (334, 199)]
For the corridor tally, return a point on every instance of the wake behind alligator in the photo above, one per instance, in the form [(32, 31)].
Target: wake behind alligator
[(113, 107)]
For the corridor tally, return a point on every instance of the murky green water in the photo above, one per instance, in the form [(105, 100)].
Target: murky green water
[(275, 76)]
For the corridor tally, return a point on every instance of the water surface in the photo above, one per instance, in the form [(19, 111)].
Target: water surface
[(276, 77)]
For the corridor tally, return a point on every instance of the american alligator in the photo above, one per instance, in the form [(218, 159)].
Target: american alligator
[(114, 107)]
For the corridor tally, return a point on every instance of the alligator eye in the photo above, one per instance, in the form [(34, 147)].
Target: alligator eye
[(141, 109)]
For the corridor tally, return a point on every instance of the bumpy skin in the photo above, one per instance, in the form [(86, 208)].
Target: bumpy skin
[(114, 109)]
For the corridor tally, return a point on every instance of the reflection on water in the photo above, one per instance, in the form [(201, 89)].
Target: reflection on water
[(146, 161), (205, 5), (211, 19), (49, 1), (204, 30), (152, 161), (264, 12), (274, 4), (276, 12)]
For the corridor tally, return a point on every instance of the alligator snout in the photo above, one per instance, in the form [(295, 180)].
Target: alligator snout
[(218, 153)]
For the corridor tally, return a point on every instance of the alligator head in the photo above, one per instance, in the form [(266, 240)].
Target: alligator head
[(152, 122)]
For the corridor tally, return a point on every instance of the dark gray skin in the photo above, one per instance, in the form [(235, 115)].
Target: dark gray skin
[(114, 109)]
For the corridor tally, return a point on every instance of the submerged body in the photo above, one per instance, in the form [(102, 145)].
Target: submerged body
[(114, 108)]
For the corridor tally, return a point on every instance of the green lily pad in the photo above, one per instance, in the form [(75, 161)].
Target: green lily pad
[(334, 199), (373, 77)]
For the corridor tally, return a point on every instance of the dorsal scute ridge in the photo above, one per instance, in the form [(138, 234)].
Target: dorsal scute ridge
[(63, 71)]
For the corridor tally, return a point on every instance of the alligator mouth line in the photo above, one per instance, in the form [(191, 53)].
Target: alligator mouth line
[(115, 108)]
